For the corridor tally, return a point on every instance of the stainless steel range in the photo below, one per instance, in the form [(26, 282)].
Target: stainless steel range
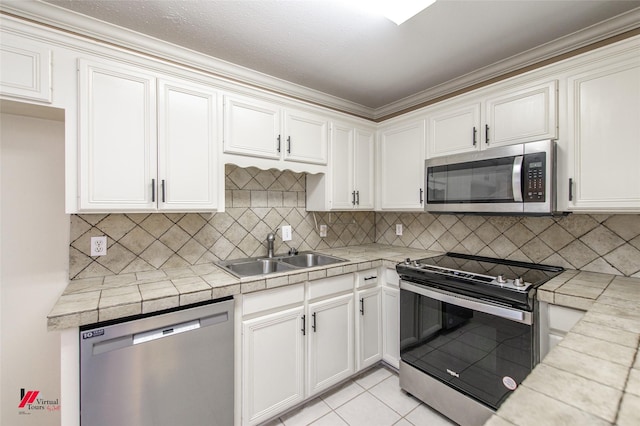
[(468, 331)]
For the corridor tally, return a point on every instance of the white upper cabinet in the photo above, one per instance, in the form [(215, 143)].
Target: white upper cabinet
[(604, 136), (401, 166), (252, 128), (453, 130), (306, 137), (131, 162), (187, 157), (504, 118), (25, 69), (349, 181), (266, 130)]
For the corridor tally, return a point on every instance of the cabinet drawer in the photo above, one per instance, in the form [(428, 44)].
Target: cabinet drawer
[(329, 286), (367, 278), (271, 299)]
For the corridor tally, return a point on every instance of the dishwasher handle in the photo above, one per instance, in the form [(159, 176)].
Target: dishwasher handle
[(172, 330)]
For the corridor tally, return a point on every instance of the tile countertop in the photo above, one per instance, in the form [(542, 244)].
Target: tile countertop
[(592, 377), (91, 300)]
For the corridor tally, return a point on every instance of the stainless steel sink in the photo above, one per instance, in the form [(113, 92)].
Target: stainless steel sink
[(248, 267), (263, 266), (309, 260)]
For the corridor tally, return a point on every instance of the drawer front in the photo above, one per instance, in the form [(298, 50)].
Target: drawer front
[(367, 278)]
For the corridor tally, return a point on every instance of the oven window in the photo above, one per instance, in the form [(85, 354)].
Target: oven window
[(483, 181), (482, 355)]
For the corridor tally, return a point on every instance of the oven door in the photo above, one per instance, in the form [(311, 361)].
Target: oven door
[(480, 349)]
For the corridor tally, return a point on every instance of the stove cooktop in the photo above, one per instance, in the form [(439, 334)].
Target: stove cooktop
[(499, 280)]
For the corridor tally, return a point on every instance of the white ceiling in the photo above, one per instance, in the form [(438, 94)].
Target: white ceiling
[(365, 59)]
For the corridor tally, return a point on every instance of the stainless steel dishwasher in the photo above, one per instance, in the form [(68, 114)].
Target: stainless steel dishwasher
[(175, 368)]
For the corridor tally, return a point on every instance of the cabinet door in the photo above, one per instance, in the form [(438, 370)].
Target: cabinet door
[(369, 330), (25, 69), (391, 331), (522, 116), (402, 167), (454, 130), (187, 169), (306, 140), (117, 138), (604, 135), (272, 364), (330, 343), (342, 167), (252, 128), (363, 161)]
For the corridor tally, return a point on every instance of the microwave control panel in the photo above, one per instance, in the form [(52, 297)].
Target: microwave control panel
[(534, 170)]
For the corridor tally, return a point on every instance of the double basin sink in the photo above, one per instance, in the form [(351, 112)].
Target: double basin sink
[(271, 265)]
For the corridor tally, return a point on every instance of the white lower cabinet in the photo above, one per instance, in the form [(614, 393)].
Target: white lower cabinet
[(555, 323), (273, 364), (297, 341), (330, 342), (369, 327), (391, 318)]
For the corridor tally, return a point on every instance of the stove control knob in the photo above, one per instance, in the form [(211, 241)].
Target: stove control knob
[(415, 263), (407, 261), (519, 282), (500, 279)]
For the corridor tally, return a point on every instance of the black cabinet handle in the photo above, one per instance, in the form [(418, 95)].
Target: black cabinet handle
[(314, 323), (570, 189), (289, 144), (153, 190), (475, 132), (357, 198), (162, 190), (486, 134), (370, 278), (362, 306), (278, 143), (353, 197), (304, 325), (421, 198)]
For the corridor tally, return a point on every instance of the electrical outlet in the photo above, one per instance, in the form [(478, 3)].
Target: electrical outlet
[(286, 233), (99, 246), (323, 231), (398, 229)]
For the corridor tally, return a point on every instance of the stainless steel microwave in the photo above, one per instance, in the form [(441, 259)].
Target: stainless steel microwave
[(510, 179)]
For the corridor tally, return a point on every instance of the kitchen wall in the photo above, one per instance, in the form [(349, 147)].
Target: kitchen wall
[(34, 257), (257, 202), (598, 243)]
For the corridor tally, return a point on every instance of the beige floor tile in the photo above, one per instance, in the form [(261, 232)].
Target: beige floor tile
[(633, 383), (331, 419), (342, 394), (366, 410), (389, 392), (423, 415), (306, 414), (629, 413), (599, 348), (372, 377), (609, 334)]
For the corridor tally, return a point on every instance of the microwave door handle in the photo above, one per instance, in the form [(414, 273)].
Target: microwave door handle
[(516, 178)]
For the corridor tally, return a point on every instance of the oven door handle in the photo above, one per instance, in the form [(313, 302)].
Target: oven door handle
[(453, 299), (516, 178)]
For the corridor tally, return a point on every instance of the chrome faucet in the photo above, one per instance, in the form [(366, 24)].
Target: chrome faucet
[(271, 237)]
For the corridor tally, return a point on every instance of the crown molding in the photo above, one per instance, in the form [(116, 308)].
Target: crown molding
[(91, 28), (596, 33)]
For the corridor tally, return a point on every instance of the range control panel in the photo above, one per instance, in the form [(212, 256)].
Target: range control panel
[(534, 170)]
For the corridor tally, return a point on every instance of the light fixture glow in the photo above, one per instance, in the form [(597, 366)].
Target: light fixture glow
[(397, 11)]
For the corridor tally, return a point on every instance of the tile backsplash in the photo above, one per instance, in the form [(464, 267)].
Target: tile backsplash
[(259, 201), (598, 243)]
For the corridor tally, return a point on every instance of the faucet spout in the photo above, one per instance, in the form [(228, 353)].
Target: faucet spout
[(270, 239)]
